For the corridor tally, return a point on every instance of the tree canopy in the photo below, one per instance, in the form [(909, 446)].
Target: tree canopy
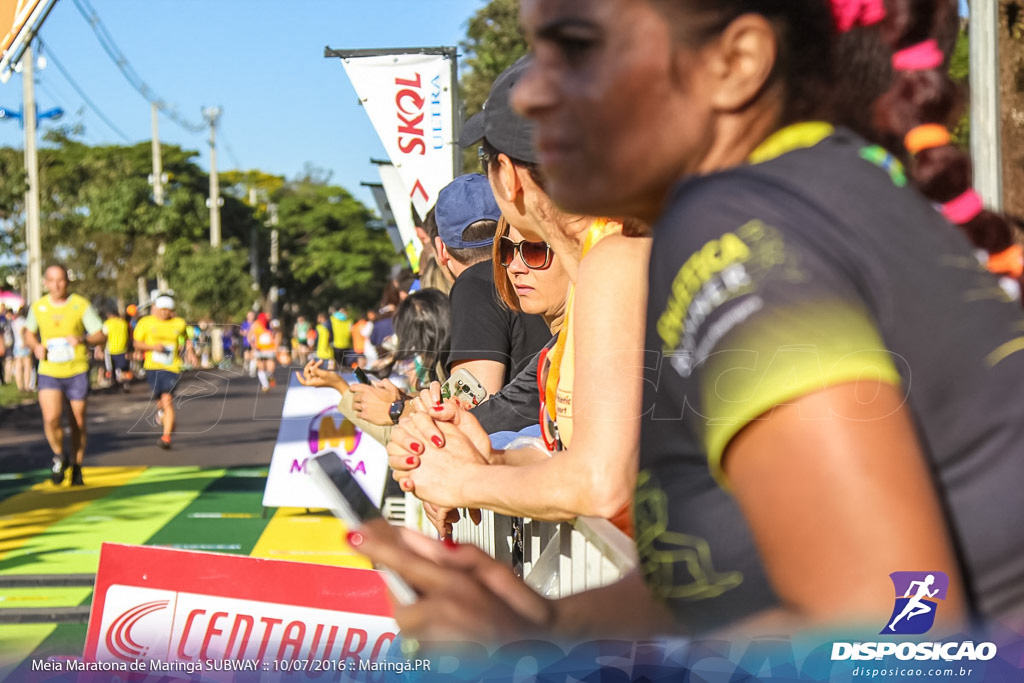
[(99, 218), (494, 41)]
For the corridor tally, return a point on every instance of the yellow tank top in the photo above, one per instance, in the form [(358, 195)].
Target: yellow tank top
[(323, 342), (74, 317), (167, 333), (562, 372), (342, 330), (117, 335)]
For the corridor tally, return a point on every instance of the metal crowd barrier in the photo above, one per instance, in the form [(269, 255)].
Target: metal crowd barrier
[(555, 558)]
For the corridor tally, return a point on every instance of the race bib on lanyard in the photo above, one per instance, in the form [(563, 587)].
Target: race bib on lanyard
[(59, 350)]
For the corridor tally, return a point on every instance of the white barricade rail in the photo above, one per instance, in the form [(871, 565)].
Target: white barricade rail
[(558, 559)]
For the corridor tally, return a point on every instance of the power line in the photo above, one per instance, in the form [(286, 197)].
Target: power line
[(231, 152), (115, 54), (81, 93)]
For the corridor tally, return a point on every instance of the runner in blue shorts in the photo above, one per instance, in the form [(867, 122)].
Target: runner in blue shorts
[(58, 330)]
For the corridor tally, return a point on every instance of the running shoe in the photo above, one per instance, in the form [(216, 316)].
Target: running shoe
[(57, 472), (165, 442), (76, 476)]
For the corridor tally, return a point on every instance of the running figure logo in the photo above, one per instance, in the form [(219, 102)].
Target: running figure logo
[(917, 594)]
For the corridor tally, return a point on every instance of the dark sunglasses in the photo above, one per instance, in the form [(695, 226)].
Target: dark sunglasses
[(536, 255)]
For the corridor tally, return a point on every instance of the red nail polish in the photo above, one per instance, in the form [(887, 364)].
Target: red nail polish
[(449, 543), (354, 538), (415, 447), (439, 405), (438, 408), (411, 460), (406, 485), (436, 440)]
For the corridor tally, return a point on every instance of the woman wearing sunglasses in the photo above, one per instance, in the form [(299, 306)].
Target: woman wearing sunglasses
[(586, 465), (590, 381), (528, 277)]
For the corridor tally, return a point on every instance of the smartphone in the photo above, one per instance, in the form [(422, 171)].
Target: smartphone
[(351, 505), (361, 376), (464, 388)]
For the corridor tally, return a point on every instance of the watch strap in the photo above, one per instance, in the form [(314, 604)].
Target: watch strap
[(395, 410)]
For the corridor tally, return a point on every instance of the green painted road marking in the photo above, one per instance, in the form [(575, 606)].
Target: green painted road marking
[(226, 518)]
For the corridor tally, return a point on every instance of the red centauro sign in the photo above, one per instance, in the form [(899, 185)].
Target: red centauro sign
[(158, 609)]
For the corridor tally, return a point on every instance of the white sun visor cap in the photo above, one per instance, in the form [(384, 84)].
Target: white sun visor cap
[(164, 302)]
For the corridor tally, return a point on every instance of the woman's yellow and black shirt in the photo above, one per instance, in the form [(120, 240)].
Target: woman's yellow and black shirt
[(812, 266)]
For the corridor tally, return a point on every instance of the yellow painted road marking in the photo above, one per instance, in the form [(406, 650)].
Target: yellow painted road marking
[(296, 535)]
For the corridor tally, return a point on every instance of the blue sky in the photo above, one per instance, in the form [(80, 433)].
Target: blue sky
[(284, 104)]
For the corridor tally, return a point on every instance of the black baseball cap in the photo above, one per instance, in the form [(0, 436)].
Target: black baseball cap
[(504, 129)]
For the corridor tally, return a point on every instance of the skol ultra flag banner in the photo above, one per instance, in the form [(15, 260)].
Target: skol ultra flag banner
[(408, 98)]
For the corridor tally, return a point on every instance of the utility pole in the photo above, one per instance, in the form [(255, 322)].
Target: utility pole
[(274, 290), (157, 180), (32, 235), (211, 114), (986, 138), (158, 169), (254, 251)]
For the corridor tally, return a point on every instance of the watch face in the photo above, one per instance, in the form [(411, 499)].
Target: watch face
[(395, 411)]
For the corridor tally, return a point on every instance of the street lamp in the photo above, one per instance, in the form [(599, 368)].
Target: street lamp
[(54, 114)]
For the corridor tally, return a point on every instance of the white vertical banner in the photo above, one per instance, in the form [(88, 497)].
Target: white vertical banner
[(311, 425), (401, 210), (408, 98)]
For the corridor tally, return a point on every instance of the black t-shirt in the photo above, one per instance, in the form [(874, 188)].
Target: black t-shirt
[(484, 329), (775, 280)]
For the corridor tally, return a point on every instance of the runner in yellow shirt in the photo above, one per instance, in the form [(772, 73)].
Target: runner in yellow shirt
[(162, 336), (116, 329), (58, 330), (324, 341)]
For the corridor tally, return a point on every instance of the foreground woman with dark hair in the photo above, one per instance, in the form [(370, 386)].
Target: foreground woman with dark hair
[(832, 385)]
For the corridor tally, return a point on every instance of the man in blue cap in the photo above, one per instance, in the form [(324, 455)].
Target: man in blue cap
[(490, 341)]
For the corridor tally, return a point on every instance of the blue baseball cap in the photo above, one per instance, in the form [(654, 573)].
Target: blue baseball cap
[(462, 202)]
